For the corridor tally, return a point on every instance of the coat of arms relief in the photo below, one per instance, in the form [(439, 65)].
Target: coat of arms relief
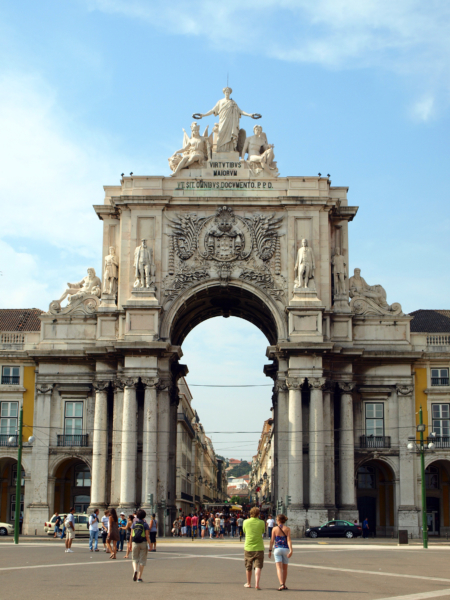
[(225, 246)]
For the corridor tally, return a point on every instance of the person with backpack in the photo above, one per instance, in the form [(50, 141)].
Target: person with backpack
[(153, 530), (140, 535)]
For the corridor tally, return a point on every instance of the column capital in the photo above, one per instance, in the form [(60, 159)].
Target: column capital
[(295, 383), (162, 384), (280, 386), (45, 388), (346, 386), (404, 390), (118, 384), (318, 383), (128, 382), (100, 386), (150, 382)]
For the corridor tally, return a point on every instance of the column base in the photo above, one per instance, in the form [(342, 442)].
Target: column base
[(349, 513), (408, 518), (102, 506), (38, 514), (297, 518), (316, 515), (126, 506)]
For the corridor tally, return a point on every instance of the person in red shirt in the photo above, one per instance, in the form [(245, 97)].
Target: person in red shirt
[(188, 526), (194, 521)]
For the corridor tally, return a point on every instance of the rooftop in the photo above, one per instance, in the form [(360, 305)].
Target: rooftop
[(20, 319), (430, 321)]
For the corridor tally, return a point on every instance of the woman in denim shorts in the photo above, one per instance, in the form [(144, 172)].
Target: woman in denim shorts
[(281, 540)]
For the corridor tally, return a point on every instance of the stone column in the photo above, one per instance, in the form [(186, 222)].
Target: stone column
[(316, 444), (39, 509), (163, 451), (295, 468), (407, 512), (347, 450), (50, 495), (100, 446), (328, 440), (150, 443), (129, 446), (116, 459)]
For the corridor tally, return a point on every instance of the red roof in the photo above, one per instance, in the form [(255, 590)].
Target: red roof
[(20, 319)]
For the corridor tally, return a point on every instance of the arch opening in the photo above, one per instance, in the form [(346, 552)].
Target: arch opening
[(437, 485), (375, 492), (8, 480), (72, 485)]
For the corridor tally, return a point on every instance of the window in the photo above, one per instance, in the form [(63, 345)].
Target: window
[(432, 478), (73, 421), (366, 478), (14, 476), (375, 419), (10, 376), (82, 476), (441, 419), (439, 376), (13, 506), (8, 418)]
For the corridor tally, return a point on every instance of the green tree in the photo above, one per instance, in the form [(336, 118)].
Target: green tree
[(240, 470)]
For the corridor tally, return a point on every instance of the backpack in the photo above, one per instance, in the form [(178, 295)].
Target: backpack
[(138, 532)]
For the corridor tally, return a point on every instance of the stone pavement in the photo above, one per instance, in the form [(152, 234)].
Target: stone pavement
[(326, 570)]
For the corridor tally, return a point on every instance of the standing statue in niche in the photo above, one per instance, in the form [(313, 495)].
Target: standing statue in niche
[(305, 266), (260, 153), (339, 272), (229, 114), (111, 272), (145, 270)]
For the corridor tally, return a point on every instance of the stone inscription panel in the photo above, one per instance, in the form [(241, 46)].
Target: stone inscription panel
[(145, 228)]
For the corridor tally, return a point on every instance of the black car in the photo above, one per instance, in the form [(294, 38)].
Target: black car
[(335, 529)]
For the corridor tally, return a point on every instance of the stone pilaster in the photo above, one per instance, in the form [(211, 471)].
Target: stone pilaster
[(295, 441), (150, 442), (347, 453), (163, 450), (316, 444), (328, 445), (116, 459), (129, 445), (100, 446)]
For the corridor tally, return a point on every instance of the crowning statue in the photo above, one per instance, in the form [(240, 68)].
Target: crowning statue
[(229, 114), (145, 270), (88, 286), (111, 272), (196, 149), (304, 266), (370, 299), (260, 153)]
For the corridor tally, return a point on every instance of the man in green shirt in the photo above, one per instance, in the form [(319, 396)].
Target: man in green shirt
[(254, 529)]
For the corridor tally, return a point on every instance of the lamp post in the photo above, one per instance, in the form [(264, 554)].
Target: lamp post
[(420, 449), (18, 478)]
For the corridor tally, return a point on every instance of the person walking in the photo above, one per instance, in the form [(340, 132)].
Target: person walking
[(222, 527), (70, 529), (254, 529), (240, 523), (153, 529), (140, 535), (270, 525), (105, 527), (93, 530), (113, 533), (188, 525), (233, 522), (211, 526), (281, 542), (217, 525), (203, 527), (57, 524), (365, 528), (194, 522), (183, 526), (122, 531), (128, 534)]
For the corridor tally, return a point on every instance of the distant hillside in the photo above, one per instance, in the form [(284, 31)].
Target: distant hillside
[(239, 470)]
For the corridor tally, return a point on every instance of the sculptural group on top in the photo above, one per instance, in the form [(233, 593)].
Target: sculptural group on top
[(226, 136)]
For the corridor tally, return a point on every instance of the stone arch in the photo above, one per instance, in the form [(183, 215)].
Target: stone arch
[(59, 459), (7, 486), (64, 481), (376, 494), (437, 487), (207, 300)]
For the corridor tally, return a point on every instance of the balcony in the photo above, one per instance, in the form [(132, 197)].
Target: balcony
[(183, 418), (374, 441), (185, 496), (10, 379), (73, 440), (439, 381), (4, 439), (440, 441)]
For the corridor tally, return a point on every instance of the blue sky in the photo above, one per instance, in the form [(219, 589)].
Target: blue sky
[(93, 88)]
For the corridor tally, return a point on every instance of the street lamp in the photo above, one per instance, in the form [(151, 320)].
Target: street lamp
[(265, 476), (420, 448)]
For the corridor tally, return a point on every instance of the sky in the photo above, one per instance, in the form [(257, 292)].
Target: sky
[(93, 88)]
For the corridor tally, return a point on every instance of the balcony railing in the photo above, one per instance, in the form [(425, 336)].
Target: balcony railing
[(440, 441), (11, 341), (73, 440), (185, 496), (4, 439), (438, 340), (374, 441), (439, 381), (182, 417), (10, 379)]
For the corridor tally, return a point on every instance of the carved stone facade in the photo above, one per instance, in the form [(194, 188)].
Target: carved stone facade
[(223, 237)]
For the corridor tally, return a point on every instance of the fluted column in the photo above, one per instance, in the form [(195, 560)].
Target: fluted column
[(328, 442), (316, 444), (163, 450), (295, 469), (116, 459), (99, 445), (129, 445), (150, 442), (347, 447), (282, 439)]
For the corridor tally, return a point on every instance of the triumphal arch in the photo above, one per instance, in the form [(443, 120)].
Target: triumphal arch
[(224, 234)]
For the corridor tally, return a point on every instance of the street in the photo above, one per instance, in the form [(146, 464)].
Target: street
[(40, 568)]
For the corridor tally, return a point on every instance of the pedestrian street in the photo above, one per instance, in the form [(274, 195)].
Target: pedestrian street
[(40, 569)]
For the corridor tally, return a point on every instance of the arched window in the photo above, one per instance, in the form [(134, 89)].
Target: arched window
[(366, 478), (432, 478)]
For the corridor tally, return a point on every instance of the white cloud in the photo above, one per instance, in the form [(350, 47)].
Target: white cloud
[(423, 109)]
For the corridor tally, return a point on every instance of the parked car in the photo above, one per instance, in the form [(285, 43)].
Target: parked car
[(6, 529), (335, 529), (81, 524)]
